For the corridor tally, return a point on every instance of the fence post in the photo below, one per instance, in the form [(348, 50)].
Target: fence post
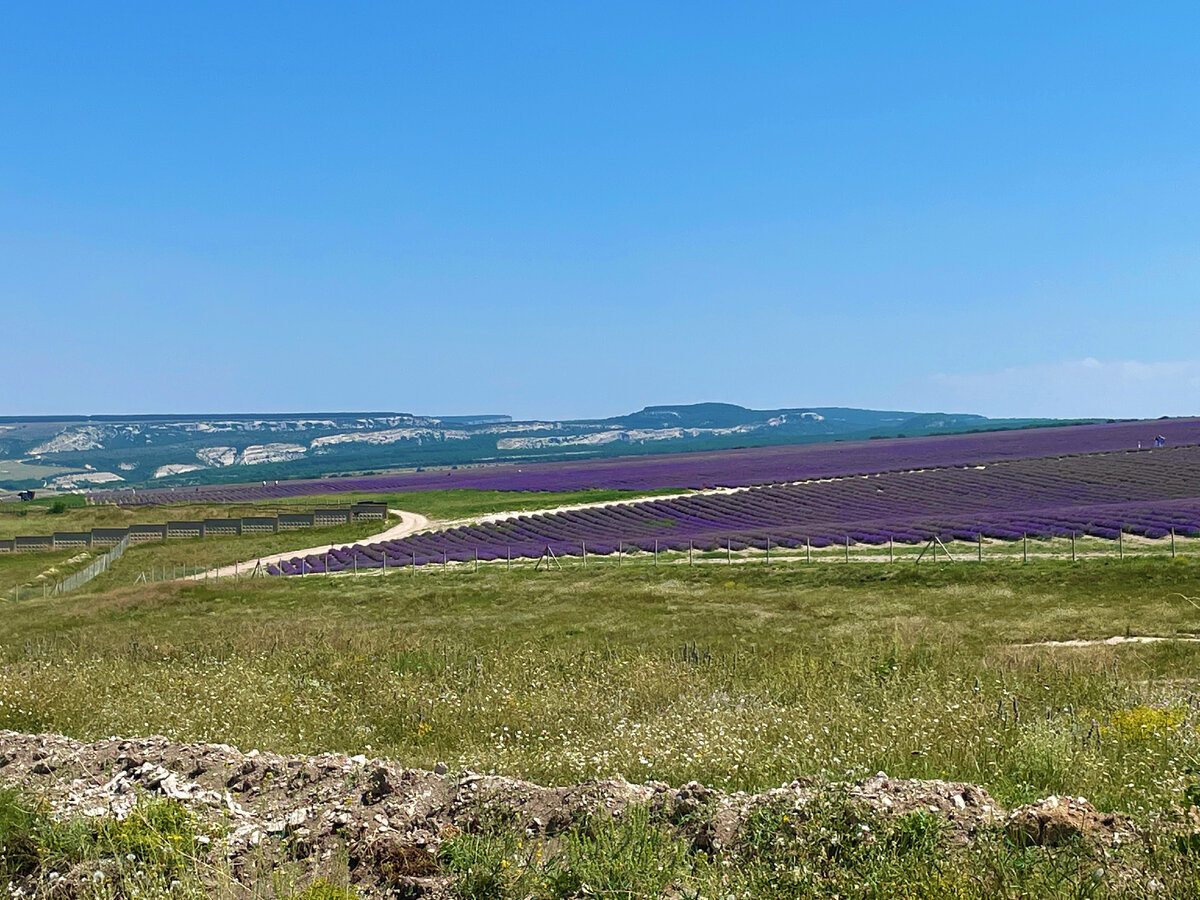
[(1072, 546), (847, 548), (768, 549), (1172, 542), (979, 535), (729, 551), (1121, 543), (808, 549), (690, 553), (476, 559), (583, 547), (656, 553), (891, 549), (1024, 546), (507, 559)]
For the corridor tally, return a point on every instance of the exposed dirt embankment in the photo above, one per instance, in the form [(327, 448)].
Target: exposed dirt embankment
[(390, 821)]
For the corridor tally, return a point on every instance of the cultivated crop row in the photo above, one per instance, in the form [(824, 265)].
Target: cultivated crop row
[(1148, 494)]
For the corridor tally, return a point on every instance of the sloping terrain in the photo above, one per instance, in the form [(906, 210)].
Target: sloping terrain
[(137, 451), (1148, 493)]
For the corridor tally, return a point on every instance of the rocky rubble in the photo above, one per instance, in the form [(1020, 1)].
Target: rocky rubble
[(390, 821)]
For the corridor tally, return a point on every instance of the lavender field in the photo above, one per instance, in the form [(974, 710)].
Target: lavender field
[(727, 468), (1148, 493)]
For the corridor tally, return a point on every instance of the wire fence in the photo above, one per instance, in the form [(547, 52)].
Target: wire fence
[(82, 577), (235, 572), (1072, 547), (317, 519)]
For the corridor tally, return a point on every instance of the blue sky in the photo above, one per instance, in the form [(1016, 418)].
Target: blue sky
[(571, 209)]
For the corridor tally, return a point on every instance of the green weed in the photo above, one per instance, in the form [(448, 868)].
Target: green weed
[(154, 851)]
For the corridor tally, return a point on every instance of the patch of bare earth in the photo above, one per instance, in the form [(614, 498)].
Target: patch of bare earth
[(1114, 641)]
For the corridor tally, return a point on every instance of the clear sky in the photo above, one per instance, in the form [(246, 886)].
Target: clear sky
[(570, 209)]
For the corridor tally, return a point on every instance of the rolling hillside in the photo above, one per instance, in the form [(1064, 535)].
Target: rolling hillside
[(78, 453)]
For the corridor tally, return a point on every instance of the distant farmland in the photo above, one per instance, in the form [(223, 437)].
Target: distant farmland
[(725, 468), (1076, 485)]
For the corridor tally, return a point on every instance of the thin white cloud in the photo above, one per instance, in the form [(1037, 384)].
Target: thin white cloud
[(1077, 388)]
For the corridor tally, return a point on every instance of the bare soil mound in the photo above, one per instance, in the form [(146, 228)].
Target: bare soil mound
[(390, 821)]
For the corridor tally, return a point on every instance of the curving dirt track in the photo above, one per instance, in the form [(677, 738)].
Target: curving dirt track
[(409, 524)]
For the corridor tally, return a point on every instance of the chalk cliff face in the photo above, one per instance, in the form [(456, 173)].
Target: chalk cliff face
[(187, 450), (254, 455)]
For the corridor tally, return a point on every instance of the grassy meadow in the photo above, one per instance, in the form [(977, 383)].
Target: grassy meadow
[(741, 676)]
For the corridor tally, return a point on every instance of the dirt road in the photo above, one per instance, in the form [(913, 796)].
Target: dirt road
[(410, 523)]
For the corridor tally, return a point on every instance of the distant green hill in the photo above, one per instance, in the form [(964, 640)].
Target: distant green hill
[(815, 420)]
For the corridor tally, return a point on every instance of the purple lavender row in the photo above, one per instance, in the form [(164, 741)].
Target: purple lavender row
[(1152, 521), (1102, 495), (727, 468)]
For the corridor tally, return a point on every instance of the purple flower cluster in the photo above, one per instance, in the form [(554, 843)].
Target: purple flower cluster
[(725, 468), (1146, 493)]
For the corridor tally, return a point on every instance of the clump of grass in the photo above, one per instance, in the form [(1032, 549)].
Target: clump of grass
[(833, 845), (830, 847), (20, 846), (630, 856), (322, 889), (155, 851)]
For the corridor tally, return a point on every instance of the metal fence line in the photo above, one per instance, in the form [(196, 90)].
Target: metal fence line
[(83, 576), (317, 518), (1021, 549), (1018, 549)]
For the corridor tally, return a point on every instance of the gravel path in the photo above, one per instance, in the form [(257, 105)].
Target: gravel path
[(414, 522), (409, 524)]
